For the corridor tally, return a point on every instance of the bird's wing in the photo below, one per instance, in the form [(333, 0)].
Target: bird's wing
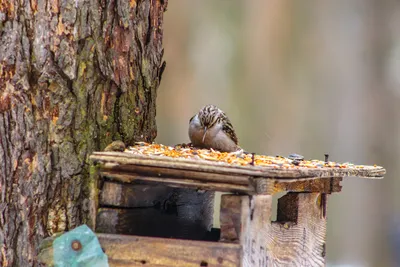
[(228, 129)]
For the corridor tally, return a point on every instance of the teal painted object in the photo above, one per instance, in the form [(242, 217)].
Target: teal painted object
[(79, 248)]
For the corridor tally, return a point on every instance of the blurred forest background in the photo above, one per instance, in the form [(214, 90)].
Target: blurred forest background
[(310, 77)]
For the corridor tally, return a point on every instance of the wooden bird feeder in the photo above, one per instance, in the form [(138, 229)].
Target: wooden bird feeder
[(155, 206)]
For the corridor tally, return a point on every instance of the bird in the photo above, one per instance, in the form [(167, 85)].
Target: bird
[(211, 128)]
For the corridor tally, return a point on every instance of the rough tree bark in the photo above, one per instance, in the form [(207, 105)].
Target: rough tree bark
[(74, 76)]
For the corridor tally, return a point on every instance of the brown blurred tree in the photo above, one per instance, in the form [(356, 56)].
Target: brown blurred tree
[(74, 76)]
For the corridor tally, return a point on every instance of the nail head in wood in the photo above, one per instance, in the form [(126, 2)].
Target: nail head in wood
[(252, 158), (326, 158), (76, 245)]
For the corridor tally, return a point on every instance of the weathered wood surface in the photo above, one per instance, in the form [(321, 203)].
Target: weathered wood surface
[(157, 252), (124, 251), (179, 182), (297, 238), (255, 228), (163, 172), (299, 234), (264, 186), (315, 185), (272, 186), (122, 160)]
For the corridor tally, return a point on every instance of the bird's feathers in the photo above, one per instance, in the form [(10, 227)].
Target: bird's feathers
[(215, 128)]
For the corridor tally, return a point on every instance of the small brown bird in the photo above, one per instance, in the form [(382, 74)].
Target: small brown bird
[(211, 128)]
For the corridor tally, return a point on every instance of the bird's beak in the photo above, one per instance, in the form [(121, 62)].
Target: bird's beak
[(205, 132)]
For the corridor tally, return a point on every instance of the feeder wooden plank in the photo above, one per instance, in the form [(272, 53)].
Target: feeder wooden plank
[(255, 228), (318, 185), (162, 172), (112, 159), (182, 183), (123, 251), (297, 238), (322, 185)]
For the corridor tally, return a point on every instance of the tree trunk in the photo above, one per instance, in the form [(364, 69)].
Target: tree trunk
[(74, 76)]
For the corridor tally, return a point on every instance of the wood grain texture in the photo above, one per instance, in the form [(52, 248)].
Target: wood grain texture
[(264, 186), (297, 238), (117, 160), (255, 230), (124, 251), (271, 186), (328, 186), (179, 182), (161, 172)]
